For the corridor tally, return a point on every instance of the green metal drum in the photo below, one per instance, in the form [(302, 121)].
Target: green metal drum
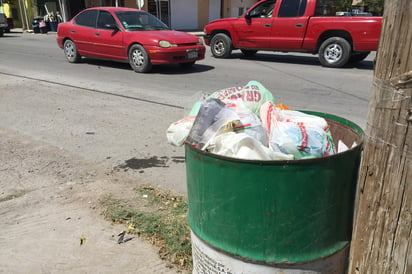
[(280, 212)]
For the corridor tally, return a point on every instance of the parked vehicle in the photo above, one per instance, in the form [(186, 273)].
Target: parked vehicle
[(127, 35), (3, 24), (296, 26)]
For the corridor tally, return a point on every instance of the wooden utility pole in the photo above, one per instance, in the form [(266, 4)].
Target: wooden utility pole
[(382, 236)]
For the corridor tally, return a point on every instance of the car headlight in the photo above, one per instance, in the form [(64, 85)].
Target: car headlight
[(200, 41), (166, 44)]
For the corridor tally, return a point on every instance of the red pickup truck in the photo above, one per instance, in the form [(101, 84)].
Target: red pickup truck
[(309, 26)]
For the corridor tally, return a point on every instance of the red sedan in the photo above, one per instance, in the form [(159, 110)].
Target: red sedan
[(127, 35)]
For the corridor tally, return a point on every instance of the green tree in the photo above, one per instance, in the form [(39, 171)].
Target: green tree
[(343, 5), (374, 6)]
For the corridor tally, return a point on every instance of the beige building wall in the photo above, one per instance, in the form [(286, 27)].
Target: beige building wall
[(203, 13)]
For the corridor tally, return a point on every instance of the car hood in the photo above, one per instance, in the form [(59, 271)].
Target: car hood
[(173, 36)]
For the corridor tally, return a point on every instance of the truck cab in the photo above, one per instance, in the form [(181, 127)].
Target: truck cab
[(311, 26)]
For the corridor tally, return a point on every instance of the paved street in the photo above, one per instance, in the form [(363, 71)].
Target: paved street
[(108, 114)]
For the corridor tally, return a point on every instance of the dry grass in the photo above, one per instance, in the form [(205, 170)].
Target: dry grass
[(159, 217)]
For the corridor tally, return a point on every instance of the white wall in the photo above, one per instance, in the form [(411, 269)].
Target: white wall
[(214, 10), (183, 14)]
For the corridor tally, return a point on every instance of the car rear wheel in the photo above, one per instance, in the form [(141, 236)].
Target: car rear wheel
[(248, 52), (139, 59), (70, 51), (221, 46), (334, 52)]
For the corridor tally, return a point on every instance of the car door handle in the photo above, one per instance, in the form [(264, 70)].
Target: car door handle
[(97, 34), (73, 31), (299, 25), (268, 25)]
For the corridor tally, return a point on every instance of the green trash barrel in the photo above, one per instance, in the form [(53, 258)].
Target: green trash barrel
[(251, 216)]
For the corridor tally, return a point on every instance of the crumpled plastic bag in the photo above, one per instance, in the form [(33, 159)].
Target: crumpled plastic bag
[(213, 118), (244, 146), (297, 133), (178, 131), (249, 122), (253, 94)]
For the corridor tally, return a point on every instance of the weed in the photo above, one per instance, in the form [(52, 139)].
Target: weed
[(159, 217)]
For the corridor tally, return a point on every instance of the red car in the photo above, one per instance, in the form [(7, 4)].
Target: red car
[(127, 35)]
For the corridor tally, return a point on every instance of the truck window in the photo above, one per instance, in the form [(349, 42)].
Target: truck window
[(263, 10), (292, 8), (325, 8)]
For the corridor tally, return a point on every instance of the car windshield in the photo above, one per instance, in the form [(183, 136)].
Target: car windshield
[(137, 21)]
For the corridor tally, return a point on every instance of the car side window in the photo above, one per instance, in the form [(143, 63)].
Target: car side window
[(292, 8), (264, 10), (105, 18), (87, 18)]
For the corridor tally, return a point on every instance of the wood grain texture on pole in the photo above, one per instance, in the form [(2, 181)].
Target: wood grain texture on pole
[(381, 240)]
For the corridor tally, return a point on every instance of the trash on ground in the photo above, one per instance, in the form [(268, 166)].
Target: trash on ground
[(244, 122)]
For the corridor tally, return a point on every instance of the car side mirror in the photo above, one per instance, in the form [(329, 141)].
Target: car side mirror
[(111, 26), (247, 16)]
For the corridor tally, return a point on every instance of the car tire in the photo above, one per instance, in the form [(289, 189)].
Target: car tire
[(334, 52), (221, 46), (248, 52), (139, 59), (70, 51), (358, 57)]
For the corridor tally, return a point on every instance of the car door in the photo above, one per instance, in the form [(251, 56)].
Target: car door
[(289, 25), (254, 29), (108, 37), (82, 30)]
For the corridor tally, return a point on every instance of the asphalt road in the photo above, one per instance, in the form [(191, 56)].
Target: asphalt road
[(107, 114)]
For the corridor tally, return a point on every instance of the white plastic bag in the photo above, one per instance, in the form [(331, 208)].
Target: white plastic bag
[(297, 133), (244, 146), (213, 118), (253, 94), (178, 131)]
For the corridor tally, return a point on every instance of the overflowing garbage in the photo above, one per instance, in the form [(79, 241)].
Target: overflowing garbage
[(244, 122)]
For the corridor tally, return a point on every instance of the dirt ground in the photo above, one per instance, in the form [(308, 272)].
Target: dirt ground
[(49, 200)]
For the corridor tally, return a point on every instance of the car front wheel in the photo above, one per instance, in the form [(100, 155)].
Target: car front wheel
[(139, 59), (70, 51), (221, 46), (334, 52)]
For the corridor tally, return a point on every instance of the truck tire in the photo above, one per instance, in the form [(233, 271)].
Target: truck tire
[(334, 52), (221, 46)]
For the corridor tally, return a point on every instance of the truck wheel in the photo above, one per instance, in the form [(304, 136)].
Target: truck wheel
[(248, 52), (334, 52), (139, 59), (221, 46), (70, 51), (357, 57)]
